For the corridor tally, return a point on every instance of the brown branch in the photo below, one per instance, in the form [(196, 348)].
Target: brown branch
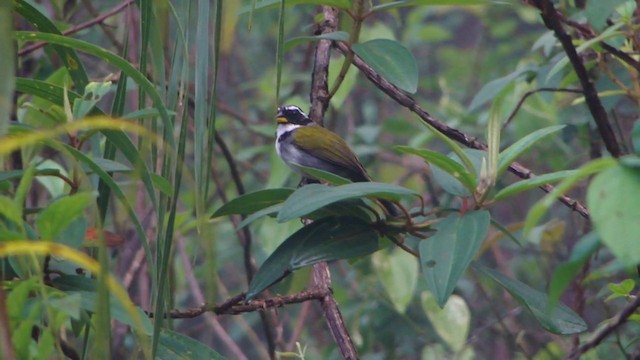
[(319, 97), (612, 326), (407, 101), (82, 26), (233, 306), (551, 19)]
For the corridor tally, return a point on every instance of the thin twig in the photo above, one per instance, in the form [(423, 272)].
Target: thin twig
[(407, 101), (529, 93), (233, 306), (612, 326)]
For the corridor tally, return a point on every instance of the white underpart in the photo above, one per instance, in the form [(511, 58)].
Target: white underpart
[(283, 128)]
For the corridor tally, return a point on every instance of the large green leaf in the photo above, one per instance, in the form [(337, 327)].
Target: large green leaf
[(398, 273), (451, 322), (445, 163), (327, 239), (61, 213), (315, 196), (561, 320), (445, 256), (612, 199), (175, 346), (252, 202), (392, 61), (508, 155)]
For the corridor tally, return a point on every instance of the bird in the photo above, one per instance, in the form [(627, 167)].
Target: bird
[(302, 142)]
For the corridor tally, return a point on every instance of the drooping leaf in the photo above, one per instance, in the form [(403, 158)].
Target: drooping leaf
[(508, 155), (315, 196), (445, 256), (324, 240), (614, 211), (449, 183), (252, 202), (445, 163), (561, 320), (392, 61), (451, 322)]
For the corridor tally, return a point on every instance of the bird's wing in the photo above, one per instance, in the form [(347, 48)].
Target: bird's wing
[(331, 148)]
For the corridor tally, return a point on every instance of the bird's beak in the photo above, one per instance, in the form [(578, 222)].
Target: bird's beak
[(280, 119)]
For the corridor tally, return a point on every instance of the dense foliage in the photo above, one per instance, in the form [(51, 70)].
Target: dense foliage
[(145, 213)]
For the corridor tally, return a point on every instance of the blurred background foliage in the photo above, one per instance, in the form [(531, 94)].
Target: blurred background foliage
[(195, 85)]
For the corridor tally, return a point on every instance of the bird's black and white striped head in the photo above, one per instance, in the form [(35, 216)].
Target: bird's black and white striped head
[(291, 114)]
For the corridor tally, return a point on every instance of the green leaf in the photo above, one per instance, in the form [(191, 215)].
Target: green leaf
[(445, 163), (398, 273), (565, 272), (533, 182), (451, 322), (67, 55), (622, 289), (93, 92), (612, 199), (508, 155), (327, 239), (312, 197), (61, 213), (392, 61), (540, 208), (397, 4), (561, 320), (445, 256), (491, 89), (609, 33), (635, 137), (599, 11), (9, 210), (173, 345), (322, 175), (252, 202), (335, 36), (7, 66), (448, 183)]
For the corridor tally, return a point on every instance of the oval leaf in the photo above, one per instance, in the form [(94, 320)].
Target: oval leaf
[(451, 322), (445, 256), (615, 209), (560, 320), (398, 273), (315, 196), (391, 60), (62, 213), (325, 240)]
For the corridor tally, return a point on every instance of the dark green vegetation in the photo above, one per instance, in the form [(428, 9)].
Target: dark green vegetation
[(145, 118)]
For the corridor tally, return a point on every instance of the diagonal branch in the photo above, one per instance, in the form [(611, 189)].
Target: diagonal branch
[(612, 326), (407, 101), (552, 21)]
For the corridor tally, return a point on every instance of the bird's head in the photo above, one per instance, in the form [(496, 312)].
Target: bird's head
[(292, 115)]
